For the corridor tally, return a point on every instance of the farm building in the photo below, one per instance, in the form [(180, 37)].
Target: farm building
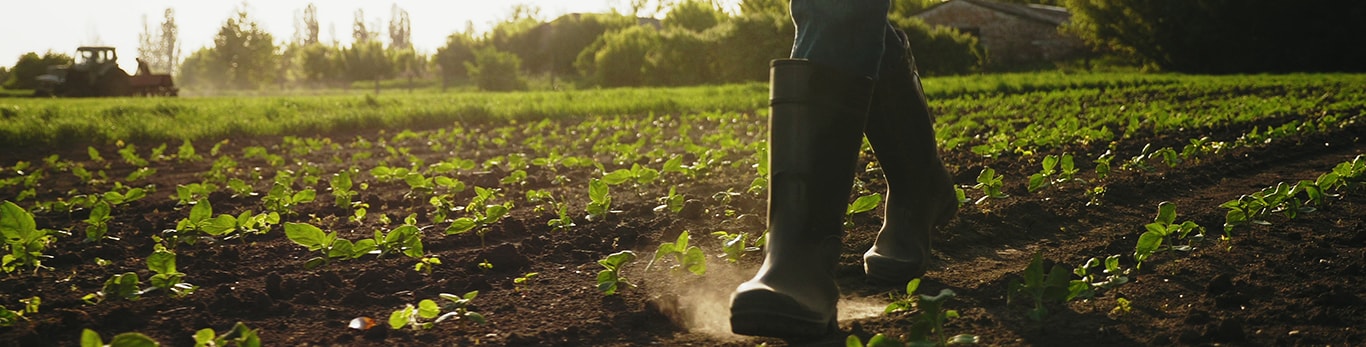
[(1013, 35)]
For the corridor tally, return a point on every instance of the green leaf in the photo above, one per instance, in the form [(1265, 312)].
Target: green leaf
[(306, 235), (597, 190), (853, 341), (99, 212), (220, 225), (616, 260), (460, 226), (912, 286), (204, 337), (399, 318), (15, 221), (964, 339), (695, 261), (200, 212), (90, 338), (132, 340), (162, 262), (428, 309), (304, 196), (607, 282), (476, 317), (617, 177), (1147, 244), (1166, 213), (864, 204)]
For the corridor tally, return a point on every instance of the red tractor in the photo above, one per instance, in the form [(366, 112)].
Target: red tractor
[(97, 73)]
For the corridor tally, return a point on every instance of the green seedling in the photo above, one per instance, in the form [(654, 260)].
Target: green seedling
[(239, 336), (990, 184), (90, 338), (97, 224), (734, 245), (483, 213), (9, 318), (282, 199), (25, 241), (485, 265), (562, 221), (122, 286), (672, 202), (140, 173), (162, 262), (610, 279), (239, 188), (121, 194), (1163, 226), (517, 177), (1056, 170), (341, 189), (328, 244), (1040, 288), (189, 193), (862, 204), (201, 220), (685, 256), (427, 313), (1089, 282), (1122, 307), (675, 165), (426, 264), (639, 175), (130, 155), (600, 201), (405, 239), (94, 154), (927, 326), (539, 199), (519, 282), (186, 154), (760, 182)]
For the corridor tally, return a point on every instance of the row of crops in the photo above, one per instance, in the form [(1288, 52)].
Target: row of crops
[(334, 190)]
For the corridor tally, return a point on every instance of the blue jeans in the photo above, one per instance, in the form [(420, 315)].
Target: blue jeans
[(849, 35)]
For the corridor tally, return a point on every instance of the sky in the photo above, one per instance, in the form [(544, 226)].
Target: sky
[(63, 25)]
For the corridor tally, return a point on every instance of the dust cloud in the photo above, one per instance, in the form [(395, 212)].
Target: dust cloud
[(701, 304)]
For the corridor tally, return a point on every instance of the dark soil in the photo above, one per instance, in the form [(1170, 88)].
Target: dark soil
[(1294, 282)]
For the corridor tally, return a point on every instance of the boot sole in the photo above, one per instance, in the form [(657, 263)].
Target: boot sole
[(760, 314)]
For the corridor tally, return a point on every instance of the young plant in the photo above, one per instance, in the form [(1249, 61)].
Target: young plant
[(426, 264), (458, 307), (239, 336), (734, 245), (685, 256), (328, 244), (672, 202), (90, 338), (97, 224), (25, 241), (189, 193), (186, 154), (562, 221), (526, 279), (862, 204), (162, 262), (201, 220), (282, 199), (927, 326), (610, 279), (341, 189), (9, 318), (1041, 288), (1055, 170), (123, 286), (639, 175), (600, 200), (990, 184), (1090, 282), (405, 239), (1162, 227), (483, 214)]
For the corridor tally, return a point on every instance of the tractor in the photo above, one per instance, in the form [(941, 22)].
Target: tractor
[(97, 73)]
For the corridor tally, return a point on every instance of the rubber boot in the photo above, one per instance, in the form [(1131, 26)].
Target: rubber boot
[(920, 191), (816, 122)]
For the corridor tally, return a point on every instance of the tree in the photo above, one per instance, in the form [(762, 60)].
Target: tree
[(572, 33), (694, 15), (4, 75), (200, 70), (908, 8), (940, 50), (681, 58), (360, 32), (745, 44), (495, 70), (1227, 36), (245, 52), (617, 59), (308, 26), (367, 60), (400, 29), (318, 64), (160, 47), (30, 66), (452, 57)]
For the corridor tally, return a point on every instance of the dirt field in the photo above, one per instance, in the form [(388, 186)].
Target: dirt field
[(1294, 282)]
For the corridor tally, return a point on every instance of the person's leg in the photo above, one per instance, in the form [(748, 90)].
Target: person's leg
[(819, 103), (843, 34), (919, 190)]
